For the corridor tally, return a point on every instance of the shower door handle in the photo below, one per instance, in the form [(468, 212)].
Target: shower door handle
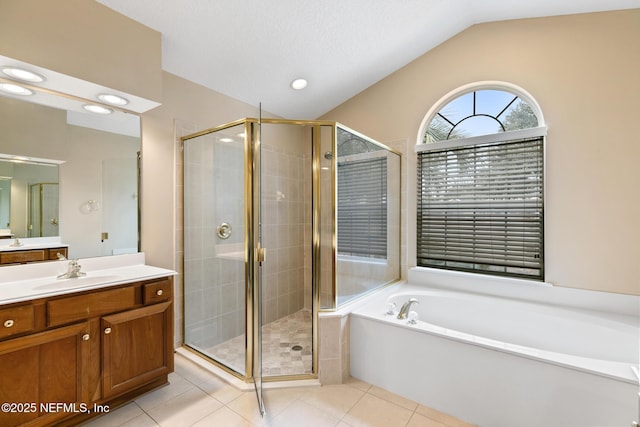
[(261, 255)]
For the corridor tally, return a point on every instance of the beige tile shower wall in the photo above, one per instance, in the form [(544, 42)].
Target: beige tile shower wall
[(283, 232), (214, 290), (326, 218), (308, 232)]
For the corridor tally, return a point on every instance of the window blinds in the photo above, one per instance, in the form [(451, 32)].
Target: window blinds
[(362, 207), (480, 208)]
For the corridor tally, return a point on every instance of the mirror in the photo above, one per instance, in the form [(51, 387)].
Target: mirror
[(28, 199), (81, 182)]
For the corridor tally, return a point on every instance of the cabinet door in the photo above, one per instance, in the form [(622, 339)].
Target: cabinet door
[(42, 376), (136, 348)]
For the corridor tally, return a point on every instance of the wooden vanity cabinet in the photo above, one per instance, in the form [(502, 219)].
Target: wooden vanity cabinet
[(126, 366), (87, 350), (31, 255), (43, 369)]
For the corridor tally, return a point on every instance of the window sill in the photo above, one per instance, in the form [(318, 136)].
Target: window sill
[(470, 281), (362, 260)]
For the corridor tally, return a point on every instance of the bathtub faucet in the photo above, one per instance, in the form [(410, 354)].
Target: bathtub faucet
[(404, 311)]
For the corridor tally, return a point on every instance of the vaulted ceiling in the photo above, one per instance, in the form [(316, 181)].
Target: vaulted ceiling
[(251, 50)]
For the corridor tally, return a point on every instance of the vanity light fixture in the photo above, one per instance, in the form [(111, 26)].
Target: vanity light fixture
[(97, 109), (15, 89), (22, 74), (299, 84), (113, 99)]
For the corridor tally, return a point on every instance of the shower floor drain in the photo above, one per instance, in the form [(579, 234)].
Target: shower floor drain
[(296, 348)]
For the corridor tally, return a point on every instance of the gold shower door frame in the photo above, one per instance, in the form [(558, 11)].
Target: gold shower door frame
[(255, 253)]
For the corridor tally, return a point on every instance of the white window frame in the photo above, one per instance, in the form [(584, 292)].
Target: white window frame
[(539, 131)]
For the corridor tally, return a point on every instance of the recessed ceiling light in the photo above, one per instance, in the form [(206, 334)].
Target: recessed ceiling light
[(226, 139), (113, 99), (97, 109), (15, 89), (299, 84), (24, 75)]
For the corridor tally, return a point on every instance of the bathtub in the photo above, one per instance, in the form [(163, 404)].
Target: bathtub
[(501, 362)]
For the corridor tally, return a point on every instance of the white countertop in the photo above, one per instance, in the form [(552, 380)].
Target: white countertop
[(37, 280), (32, 243)]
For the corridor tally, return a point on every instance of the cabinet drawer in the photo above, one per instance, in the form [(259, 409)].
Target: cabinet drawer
[(22, 256), (53, 253), (157, 291), (66, 310), (16, 320)]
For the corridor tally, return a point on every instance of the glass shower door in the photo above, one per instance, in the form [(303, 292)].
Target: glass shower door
[(254, 129), (215, 215)]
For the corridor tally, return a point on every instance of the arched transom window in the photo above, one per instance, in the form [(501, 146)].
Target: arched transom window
[(480, 112)]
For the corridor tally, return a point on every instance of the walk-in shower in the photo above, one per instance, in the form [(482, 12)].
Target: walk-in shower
[(43, 209), (270, 210)]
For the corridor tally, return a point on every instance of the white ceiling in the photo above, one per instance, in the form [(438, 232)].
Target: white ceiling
[(252, 49)]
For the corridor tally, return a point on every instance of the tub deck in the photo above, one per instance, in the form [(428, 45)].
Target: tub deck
[(490, 381)]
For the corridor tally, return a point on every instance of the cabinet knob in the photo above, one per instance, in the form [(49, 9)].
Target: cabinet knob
[(159, 292), (8, 323), (107, 330), (85, 337)]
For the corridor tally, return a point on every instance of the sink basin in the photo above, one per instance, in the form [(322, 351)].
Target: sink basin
[(77, 282)]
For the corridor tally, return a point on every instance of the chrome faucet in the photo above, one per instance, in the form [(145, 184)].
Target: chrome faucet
[(404, 311), (73, 270), (16, 243)]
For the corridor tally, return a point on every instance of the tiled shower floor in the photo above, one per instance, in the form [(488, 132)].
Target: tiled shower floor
[(286, 347)]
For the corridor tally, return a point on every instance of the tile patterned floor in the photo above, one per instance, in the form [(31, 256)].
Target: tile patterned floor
[(196, 397), (280, 356), (286, 345)]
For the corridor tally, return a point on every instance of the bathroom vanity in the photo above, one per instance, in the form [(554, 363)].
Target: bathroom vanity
[(73, 348), (25, 255), (22, 251)]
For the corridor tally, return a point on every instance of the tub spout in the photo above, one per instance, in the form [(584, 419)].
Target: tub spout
[(404, 311)]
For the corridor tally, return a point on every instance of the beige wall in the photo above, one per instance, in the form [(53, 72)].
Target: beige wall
[(583, 71)]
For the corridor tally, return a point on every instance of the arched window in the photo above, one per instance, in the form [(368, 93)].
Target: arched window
[(480, 183)]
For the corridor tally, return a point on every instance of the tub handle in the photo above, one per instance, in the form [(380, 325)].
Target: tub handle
[(391, 309)]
